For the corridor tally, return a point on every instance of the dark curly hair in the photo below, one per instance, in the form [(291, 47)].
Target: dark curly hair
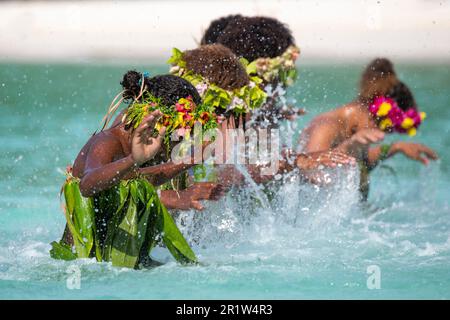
[(168, 88), (256, 37), (216, 28), (377, 79), (403, 96), (218, 64)]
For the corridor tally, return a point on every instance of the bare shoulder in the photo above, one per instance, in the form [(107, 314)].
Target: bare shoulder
[(100, 144), (322, 130), (103, 141), (350, 110)]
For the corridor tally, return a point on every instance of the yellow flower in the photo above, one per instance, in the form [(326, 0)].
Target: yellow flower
[(407, 123), (384, 109), (412, 132), (178, 120), (423, 115), (385, 123)]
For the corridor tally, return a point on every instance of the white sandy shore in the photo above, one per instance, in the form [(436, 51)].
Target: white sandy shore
[(111, 30)]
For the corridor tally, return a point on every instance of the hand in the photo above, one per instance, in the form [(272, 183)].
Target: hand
[(190, 197), (367, 136), (415, 151), (143, 145), (229, 176), (330, 159), (204, 191), (358, 144)]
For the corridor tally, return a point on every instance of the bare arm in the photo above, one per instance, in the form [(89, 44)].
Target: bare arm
[(190, 197), (320, 137), (162, 173), (101, 171), (328, 132), (359, 143), (229, 175), (302, 161)]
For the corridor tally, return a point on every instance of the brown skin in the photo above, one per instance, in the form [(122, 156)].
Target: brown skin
[(190, 198), (220, 66), (229, 175), (411, 150), (116, 153), (350, 129)]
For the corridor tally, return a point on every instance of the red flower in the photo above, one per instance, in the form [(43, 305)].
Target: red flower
[(180, 107), (166, 120)]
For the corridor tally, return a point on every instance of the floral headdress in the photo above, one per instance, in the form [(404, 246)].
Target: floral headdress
[(179, 118), (280, 68), (239, 101), (392, 118)]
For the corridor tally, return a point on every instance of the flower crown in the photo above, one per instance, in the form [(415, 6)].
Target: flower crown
[(280, 68), (391, 117), (180, 117), (242, 100)]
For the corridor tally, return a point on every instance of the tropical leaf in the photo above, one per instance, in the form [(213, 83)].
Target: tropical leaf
[(61, 251), (251, 67), (122, 190), (174, 240), (199, 172), (80, 218), (176, 58), (125, 246)]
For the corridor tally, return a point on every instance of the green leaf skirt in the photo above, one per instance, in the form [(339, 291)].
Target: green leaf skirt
[(121, 225)]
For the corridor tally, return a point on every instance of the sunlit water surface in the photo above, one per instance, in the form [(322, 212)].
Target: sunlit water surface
[(308, 243)]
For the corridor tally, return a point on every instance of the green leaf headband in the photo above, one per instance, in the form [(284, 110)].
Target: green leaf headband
[(242, 100), (281, 68), (180, 117)]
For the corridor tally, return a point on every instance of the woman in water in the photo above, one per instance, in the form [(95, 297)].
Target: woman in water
[(222, 81), (96, 164), (116, 170), (270, 50), (384, 105)]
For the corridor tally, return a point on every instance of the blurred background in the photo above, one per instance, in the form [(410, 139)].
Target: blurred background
[(117, 30)]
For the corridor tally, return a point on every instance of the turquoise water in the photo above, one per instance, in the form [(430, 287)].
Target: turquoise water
[(311, 244)]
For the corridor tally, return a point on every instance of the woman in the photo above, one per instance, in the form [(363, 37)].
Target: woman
[(353, 128), (116, 142), (112, 209), (269, 48), (223, 82)]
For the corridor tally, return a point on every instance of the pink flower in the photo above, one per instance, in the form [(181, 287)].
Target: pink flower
[(383, 102), (180, 107), (396, 116), (373, 108), (413, 114), (386, 110)]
